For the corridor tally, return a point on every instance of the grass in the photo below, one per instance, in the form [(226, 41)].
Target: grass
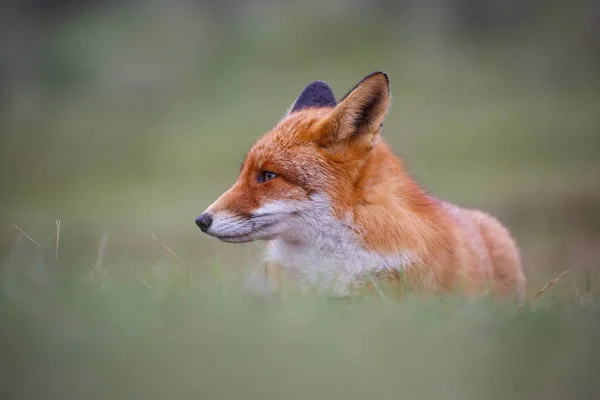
[(165, 333)]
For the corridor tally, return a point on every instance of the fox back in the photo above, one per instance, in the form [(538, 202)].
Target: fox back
[(338, 208)]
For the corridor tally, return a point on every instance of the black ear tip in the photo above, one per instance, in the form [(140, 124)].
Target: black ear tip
[(320, 84), (379, 73), (318, 87), (368, 77), (386, 76), (316, 94)]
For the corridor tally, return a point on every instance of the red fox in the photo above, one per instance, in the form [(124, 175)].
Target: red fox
[(338, 208)]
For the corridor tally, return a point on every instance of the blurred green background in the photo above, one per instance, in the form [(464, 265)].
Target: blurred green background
[(125, 119)]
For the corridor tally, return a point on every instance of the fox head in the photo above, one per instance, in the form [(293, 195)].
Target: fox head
[(308, 166)]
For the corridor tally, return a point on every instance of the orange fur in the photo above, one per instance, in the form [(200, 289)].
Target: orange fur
[(338, 151)]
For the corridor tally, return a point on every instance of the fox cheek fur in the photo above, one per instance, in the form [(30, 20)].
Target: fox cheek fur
[(337, 205)]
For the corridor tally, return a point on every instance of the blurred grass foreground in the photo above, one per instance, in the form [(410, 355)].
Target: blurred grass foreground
[(120, 121)]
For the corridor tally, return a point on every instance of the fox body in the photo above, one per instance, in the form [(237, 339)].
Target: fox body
[(338, 208)]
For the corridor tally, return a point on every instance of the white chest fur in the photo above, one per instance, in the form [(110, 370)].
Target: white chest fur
[(324, 253)]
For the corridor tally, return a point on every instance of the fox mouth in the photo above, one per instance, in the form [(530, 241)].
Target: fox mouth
[(256, 234), (266, 225), (235, 238), (242, 238)]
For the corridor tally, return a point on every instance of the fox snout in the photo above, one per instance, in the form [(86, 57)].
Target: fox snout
[(204, 221)]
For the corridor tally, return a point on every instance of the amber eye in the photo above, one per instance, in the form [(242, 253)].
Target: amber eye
[(265, 176)]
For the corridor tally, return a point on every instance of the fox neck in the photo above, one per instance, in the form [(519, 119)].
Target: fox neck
[(327, 253), (390, 209), (381, 226)]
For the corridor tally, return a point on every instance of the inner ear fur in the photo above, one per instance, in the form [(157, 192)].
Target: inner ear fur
[(361, 112)]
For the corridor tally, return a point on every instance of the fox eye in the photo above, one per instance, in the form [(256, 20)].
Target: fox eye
[(265, 176)]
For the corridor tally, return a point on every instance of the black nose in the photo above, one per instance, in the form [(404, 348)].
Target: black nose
[(204, 221)]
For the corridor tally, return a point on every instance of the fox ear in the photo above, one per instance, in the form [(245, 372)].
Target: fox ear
[(316, 94), (361, 112)]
